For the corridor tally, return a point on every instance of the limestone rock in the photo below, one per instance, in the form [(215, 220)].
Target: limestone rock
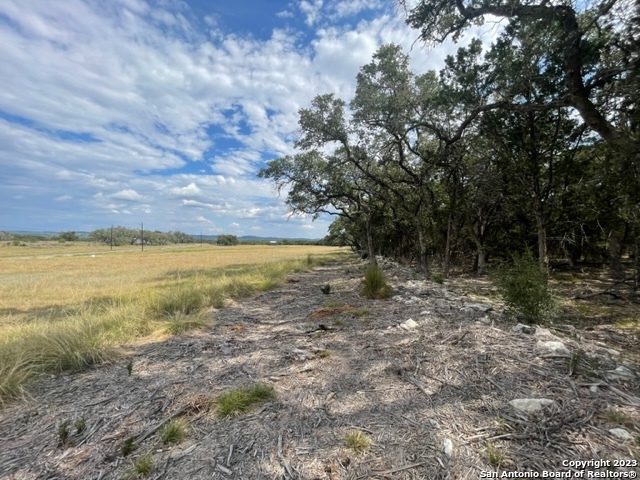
[(409, 324), (447, 447), (554, 347), (522, 328), (621, 373), (621, 433), (530, 405)]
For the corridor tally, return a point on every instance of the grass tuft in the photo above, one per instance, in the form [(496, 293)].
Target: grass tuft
[(173, 431), (241, 400), (357, 441), (494, 455), (63, 432), (619, 417), (128, 446), (374, 284), (143, 465)]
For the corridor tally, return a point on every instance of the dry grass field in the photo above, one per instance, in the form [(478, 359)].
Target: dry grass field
[(67, 307)]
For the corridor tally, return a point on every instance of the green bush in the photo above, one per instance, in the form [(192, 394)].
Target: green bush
[(227, 240), (524, 287), (374, 285)]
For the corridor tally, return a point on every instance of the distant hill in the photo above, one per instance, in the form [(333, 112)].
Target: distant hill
[(251, 238)]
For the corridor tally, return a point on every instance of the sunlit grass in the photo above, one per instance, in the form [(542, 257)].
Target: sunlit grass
[(239, 400), (67, 313)]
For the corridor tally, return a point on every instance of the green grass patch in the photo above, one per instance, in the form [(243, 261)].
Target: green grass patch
[(240, 400), (358, 311), (357, 441), (173, 431), (142, 465), (619, 417)]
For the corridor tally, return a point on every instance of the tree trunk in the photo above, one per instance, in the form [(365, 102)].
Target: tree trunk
[(447, 248), (423, 251), (542, 241), (615, 260), (370, 248)]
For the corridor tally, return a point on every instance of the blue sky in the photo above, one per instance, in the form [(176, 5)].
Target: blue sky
[(162, 112)]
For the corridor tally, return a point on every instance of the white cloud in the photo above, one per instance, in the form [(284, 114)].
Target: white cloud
[(190, 190), (113, 101), (311, 10), (128, 194)]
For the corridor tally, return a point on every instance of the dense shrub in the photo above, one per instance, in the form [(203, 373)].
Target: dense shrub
[(524, 287)]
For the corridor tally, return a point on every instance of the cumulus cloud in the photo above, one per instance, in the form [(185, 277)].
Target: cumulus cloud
[(152, 111), (128, 194)]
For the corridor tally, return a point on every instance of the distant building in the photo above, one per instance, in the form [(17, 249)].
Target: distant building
[(273, 242)]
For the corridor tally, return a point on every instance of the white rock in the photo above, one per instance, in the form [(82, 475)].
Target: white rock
[(447, 447), (594, 388), (543, 332), (530, 405), (425, 312), (409, 324), (555, 347), (620, 433), (485, 320), (522, 328), (620, 373)]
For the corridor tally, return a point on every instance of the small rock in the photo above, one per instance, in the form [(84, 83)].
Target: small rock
[(447, 446), (409, 324), (531, 405), (433, 423), (543, 332), (555, 347), (425, 312), (485, 320), (522, 328), (442, 305), (412, 301), (620, 433), (594, 388), (546, 333), (621, 373), (480, 307)]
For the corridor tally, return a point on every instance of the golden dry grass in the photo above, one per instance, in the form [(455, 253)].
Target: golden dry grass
[(67, 307), (46, 282)]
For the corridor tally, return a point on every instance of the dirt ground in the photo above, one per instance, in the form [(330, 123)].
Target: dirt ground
[(433, 401)]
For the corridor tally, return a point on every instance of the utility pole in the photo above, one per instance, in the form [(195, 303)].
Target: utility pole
[(142, 236)]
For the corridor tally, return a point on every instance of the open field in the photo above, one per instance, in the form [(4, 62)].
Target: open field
[(66, 307)]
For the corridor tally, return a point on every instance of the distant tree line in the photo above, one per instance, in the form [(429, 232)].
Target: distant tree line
[(532, 144), (129, 236)]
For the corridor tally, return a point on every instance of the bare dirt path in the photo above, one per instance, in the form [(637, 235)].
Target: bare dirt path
[(434, 401)]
